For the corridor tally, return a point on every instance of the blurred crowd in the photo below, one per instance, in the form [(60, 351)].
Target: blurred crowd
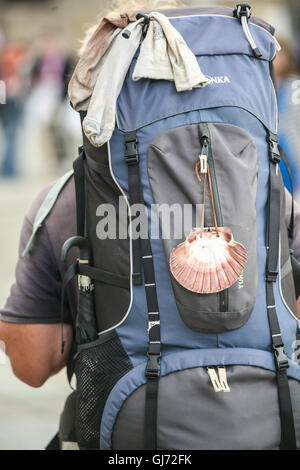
[(287, 72), (40, 131)]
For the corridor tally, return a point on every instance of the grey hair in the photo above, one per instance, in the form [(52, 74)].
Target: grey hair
[(118, 6)]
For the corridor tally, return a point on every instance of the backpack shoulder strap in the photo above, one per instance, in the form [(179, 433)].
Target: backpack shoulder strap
[(46, 208)]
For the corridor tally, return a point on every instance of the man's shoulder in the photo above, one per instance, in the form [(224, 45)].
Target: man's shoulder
[(64, 202), (60, 222)]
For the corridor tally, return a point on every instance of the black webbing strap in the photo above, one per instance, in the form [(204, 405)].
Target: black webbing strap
[(144, 246), (135, 195), (287, 164), (78, 166), (288, 439), (154, 350)]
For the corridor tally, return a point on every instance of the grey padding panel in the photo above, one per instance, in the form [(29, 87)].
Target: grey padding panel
[(192, 416), (295, 397), (172, 157), (286, 274)]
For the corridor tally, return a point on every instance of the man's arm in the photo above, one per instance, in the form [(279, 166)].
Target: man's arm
[(35, 350), (30, 323)]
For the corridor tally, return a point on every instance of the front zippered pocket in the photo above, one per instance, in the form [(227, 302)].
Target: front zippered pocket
[(205, 142), (232, 161)]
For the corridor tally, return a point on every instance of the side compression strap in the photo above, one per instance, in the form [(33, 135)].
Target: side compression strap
[(288, 438), (154, 351), (135, 195)]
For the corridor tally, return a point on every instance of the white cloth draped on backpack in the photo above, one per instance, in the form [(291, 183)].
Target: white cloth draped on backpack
[(164, 55)]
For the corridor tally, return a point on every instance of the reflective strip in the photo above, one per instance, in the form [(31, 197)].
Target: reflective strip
[(286, 268)]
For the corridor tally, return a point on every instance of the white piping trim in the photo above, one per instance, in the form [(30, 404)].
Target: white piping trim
[(278, 46), (280, 289), (130, 244)]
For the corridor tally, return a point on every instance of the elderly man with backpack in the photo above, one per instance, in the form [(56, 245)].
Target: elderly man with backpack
[(176, 342)]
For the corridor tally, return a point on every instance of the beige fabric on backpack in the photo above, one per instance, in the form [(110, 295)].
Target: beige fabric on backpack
[(164, 55)]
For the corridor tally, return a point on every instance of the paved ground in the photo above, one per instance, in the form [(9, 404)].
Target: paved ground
[(28, 417)]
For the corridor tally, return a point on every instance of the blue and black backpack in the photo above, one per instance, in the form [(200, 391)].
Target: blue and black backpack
[(164, 359)]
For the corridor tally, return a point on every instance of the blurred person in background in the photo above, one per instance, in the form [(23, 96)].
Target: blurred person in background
[(2, 38), (56, 122), (287, 71), (11, 60)]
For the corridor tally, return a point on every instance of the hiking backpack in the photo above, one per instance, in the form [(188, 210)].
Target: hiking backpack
[(159, 365)]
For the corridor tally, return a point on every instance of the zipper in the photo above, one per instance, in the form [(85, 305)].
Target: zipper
[(206, 150), (218, 379)]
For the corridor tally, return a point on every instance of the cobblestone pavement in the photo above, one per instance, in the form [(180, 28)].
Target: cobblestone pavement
[(28, 417)]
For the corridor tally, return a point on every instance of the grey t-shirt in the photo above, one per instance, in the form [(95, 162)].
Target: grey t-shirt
[(36, 295)]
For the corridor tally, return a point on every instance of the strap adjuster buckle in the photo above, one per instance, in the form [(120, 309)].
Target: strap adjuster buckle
[(271, 276), (281, 359), (274, 151), (153, 366), (242, 9), (136, 279), (131, 153)]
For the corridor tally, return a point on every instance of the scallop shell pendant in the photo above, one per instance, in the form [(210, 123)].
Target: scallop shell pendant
[(208, 261)]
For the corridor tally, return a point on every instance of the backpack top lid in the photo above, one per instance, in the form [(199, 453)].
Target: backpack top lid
[(224, 54), (210, 10)]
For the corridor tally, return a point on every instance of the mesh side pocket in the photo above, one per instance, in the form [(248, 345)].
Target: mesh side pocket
[(98, 368)]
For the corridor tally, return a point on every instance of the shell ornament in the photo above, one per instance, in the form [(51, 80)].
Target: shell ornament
[(209, 260)]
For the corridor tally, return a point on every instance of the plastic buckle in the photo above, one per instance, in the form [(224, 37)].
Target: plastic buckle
[(271, 276), (281, 359), (153, 366), (242, 9), (274, 153), (146, 22), (131, 154), (136, 279)]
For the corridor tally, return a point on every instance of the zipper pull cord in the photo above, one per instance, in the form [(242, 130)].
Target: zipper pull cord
[(243, 13), (223, 379), (214, 379), (202, 166)]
